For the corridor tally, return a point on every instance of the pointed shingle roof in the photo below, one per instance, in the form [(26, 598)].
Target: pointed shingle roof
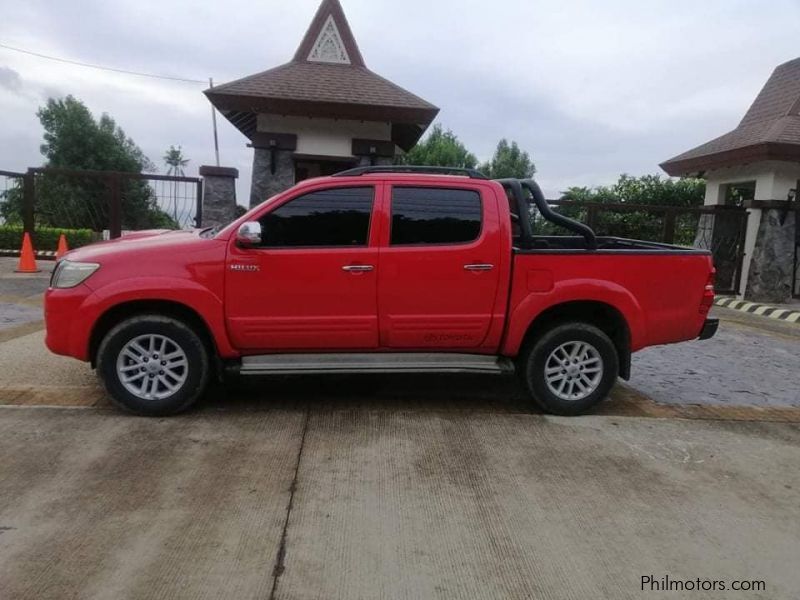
[(769, 131), (326, 78)]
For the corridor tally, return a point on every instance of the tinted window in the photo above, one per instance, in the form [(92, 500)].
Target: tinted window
[(435, 216), (337, 217)]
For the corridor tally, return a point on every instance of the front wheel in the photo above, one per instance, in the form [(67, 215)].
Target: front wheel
[(570, 368), (153, 365)]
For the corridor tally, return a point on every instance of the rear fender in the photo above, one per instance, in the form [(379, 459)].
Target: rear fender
[(575, 290)]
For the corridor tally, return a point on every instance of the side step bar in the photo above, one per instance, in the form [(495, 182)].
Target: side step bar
[(294, 364)]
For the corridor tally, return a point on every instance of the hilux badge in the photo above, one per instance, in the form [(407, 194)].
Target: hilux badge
[(247, 268)]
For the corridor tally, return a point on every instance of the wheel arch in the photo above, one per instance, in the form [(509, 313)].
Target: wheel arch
[(602, 315), (169, 308)]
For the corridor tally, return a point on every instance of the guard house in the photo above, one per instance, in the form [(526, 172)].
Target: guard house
[(321, 113), (757, 166)]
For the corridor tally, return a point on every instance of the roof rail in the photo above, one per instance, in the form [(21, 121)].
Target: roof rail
[(358, 171)]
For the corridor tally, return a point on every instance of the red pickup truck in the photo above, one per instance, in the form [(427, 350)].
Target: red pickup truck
[(377, 270)]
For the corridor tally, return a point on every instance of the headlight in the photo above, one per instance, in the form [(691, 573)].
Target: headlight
[(69, 274)]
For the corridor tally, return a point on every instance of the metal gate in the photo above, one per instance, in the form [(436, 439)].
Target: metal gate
[(796, 282), (10, 189), (99, 201), (723, 230)]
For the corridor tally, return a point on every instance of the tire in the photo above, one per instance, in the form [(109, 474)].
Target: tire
[(572, 390), (157, 384)]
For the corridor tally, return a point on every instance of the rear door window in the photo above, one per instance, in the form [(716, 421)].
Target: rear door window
[(435, 216)]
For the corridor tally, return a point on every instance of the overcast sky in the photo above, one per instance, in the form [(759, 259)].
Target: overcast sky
[(591, 89)]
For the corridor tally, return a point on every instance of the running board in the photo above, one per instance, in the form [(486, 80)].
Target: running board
[(294, 364)]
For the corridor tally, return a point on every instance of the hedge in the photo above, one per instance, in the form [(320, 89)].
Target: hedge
[(45, 238)]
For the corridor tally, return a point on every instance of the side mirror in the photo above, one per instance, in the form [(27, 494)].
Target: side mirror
[(249, 234)]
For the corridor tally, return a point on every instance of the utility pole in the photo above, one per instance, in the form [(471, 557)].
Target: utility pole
[(214, 121)]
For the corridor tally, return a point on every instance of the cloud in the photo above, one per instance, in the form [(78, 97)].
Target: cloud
[(591, 89), (10, 80)]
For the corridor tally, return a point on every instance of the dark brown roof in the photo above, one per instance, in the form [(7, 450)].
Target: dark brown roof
[(325, 89), (770, 129)]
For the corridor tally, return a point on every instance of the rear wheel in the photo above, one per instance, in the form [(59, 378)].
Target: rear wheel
[(570, 368), (153, 365)]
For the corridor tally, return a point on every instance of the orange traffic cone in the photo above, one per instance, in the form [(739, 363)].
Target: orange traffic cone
[(62, 247), (27, 260)]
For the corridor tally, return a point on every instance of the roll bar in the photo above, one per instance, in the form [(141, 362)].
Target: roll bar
[(517, 188)]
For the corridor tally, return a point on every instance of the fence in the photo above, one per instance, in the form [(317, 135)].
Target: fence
[(99, 200), (720, 229), (10, 186), (796, 282)]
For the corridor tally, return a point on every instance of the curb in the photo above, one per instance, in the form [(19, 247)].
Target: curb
[(763, 310), (40, 254)]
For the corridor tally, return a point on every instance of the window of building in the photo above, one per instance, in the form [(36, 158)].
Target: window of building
[(334, 217), (736, 194), (435, 216)]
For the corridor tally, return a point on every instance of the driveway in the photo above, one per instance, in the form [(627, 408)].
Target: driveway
[(752, 361), (334, 500), (404, 487)]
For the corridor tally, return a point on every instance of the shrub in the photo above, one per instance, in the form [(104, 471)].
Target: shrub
[(45, 238)]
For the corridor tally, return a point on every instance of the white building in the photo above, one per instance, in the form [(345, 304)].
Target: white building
[(757, 166)]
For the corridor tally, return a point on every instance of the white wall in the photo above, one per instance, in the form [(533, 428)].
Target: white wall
[(773, 180), (325, 137)]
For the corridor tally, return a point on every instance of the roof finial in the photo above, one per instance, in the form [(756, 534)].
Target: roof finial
[(329, 38)]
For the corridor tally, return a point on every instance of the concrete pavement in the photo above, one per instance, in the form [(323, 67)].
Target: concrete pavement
[(97, 505), (346, 502), (403, 487)]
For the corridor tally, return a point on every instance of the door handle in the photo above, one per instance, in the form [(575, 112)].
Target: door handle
[(479, 267), (358, 268)]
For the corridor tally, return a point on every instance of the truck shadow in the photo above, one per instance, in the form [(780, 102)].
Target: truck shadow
[(435, 392)]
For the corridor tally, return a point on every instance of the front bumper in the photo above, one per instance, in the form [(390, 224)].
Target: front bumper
[(709, 329), (67, 332)]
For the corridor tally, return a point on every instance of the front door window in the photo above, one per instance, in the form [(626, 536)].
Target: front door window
[(328, 218)]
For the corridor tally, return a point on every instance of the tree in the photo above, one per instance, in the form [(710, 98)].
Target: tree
[(175, 162), (648, 189), (75, 140), (440, 149), (509, 161)]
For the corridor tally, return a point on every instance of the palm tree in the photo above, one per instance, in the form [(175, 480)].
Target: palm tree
[(175, 162)]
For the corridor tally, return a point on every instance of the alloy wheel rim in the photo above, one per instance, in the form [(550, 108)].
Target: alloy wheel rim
[(152, 367), (573, 371)]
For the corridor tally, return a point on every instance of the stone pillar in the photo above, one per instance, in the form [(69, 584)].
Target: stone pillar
[(219, 195), (273, 165), (772, 267), (772, 235), (267, 183)]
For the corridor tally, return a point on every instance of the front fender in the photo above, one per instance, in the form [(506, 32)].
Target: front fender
[(574, 290), (207, 304)]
